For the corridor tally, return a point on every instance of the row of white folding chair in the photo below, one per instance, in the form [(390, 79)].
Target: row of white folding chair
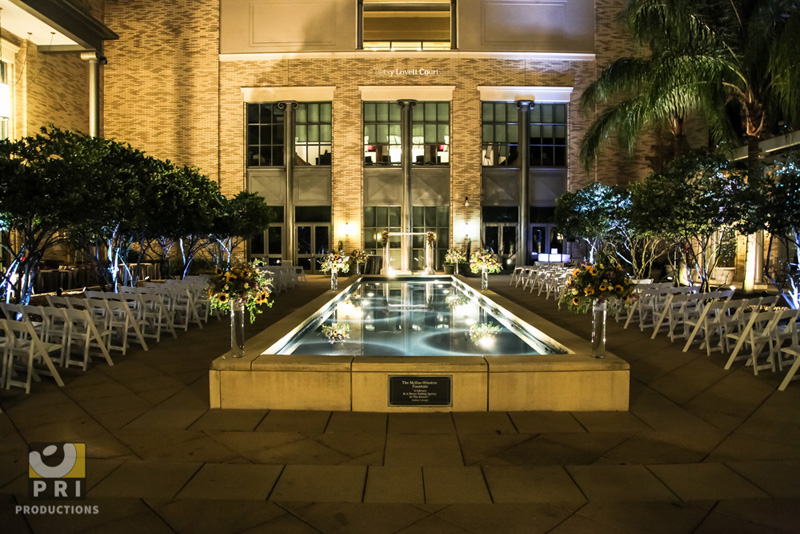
[(180, 303), (519, 274), (128, 318), (113, 319), (717, 317), (65, 328), (533, 277), (764, 330), (556, 284), (22, 348), (682, 309), (154, 311), (652, 301), (642, 293), (550, 280)]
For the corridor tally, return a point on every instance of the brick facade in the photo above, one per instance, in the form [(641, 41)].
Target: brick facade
[(168, 93), (48, 89), (347, 74), (161, 84)]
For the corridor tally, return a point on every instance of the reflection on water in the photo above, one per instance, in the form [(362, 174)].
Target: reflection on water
[(420, 317)]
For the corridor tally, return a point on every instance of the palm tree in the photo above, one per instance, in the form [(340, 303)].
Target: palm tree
[(705, 56)]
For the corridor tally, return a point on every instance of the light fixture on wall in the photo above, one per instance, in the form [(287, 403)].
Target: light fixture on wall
[(466, 202)]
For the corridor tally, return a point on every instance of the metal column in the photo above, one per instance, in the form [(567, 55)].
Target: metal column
[(405, 163), (453, 25), (94, 91), (524, 139), (288, 159), (360, 25)]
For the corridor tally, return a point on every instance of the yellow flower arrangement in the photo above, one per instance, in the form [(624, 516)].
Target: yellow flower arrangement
[(242, 284), (592, 284)]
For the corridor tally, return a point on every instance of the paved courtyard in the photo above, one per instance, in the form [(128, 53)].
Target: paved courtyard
[(702, 450)]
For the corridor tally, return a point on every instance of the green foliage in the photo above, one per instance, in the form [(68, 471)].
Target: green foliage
[(688, 203), (112, 202), (591, 213), (702, 57)]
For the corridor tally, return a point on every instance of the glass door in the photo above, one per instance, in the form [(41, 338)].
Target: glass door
[(313, 240), (539, 241), (501, 238)]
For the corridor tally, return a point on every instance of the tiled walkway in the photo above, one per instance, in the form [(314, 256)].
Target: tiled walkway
[(702, 450)]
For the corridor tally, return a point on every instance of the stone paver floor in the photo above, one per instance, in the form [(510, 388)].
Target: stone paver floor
[(702, 450)]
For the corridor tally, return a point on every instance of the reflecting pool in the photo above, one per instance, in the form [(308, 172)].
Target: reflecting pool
[(431, 316)]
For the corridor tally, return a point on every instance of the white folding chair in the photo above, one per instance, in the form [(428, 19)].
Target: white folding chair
[(26, 348), (85, 336)]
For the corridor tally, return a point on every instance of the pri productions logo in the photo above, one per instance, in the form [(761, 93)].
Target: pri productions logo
[(57, 471)]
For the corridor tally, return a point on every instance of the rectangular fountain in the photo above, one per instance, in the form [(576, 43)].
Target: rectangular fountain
[(417, 344)]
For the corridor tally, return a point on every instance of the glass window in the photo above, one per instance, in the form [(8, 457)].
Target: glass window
[(434, 219), (430, 134), (378, 219), (313, 133), (548, 135), (265, 123), (265, 134), (403, 25), (381, 133), (500, 145)]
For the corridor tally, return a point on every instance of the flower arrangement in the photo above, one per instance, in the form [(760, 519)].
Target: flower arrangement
[(359, 256), (597, 283), (385, 237), (430, 238), (454, 256), (241, 284), (336, 332), (334, 262), (484, 260)]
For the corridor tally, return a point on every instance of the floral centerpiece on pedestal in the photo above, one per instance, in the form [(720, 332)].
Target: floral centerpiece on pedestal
[(484, 262), (430, 243), (334, 263), (242, 285), (454, 257), (359, 258), (596, 284), (592, 287), (236, 289)]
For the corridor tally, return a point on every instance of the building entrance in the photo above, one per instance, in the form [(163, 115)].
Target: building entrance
[(501, 238), (312, 240)]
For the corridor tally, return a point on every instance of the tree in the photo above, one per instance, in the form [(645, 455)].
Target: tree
[(773, 206), (117, 179), (635, 244), (710, 57), (588, 214), (688, 203), (736, 53), (40, 193), (244, 216)]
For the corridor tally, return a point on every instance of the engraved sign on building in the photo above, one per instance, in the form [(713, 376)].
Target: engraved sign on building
[(420, 390)]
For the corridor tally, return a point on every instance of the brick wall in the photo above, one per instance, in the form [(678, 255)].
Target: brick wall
[(161, 81), (347, 74), (48, 89), (167, 93)]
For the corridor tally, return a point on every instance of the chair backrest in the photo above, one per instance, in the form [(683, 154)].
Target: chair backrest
[(58, 302)]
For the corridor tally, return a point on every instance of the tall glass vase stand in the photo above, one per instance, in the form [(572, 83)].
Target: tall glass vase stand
[(237, 329), (599, 330)]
